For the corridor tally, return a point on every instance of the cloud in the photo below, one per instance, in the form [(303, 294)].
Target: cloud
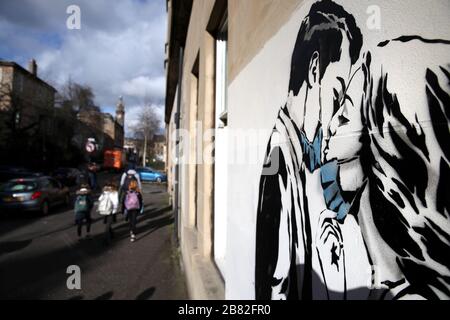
[(118, 51), (143, 87)]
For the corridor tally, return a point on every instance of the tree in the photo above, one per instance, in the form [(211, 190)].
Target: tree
[(17, 135), (75, 97), (146, 127)]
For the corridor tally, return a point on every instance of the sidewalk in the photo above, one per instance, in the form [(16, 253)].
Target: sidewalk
[(146, 269)]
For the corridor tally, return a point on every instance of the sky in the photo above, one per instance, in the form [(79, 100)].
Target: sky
[(119, 50)]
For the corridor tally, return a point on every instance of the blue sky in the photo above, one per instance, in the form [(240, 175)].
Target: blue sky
[(118, 51)]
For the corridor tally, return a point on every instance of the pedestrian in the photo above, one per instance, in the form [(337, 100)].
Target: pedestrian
[(127, 177), (92, 171), (134, 205), (82, 209), (82, 177), (108, 207)]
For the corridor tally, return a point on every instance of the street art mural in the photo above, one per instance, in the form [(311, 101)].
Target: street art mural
[(359, 205)]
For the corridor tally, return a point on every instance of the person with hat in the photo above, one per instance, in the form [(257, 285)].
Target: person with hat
[(82, 209)]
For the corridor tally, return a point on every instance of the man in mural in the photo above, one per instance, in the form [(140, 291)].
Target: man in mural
[(323, 65)]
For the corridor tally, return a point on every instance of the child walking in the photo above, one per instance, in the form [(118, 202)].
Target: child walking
[(134, 205), (108, 207), (82, 208)]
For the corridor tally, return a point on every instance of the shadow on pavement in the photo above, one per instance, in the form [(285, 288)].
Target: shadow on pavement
[(147, 223), (13, 220), (8, 247), (105, 296), (147, 294), (34, 276)]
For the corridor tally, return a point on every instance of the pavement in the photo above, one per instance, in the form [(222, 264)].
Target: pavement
[(36, 252)]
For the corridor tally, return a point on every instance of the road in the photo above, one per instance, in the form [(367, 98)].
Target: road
[(35, 253)]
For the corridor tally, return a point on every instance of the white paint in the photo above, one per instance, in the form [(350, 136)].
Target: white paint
[(260, 89)]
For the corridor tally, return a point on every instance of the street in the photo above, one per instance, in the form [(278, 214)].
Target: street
[(35, 252)]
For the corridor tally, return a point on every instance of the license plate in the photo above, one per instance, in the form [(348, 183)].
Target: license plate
[(14, 199)]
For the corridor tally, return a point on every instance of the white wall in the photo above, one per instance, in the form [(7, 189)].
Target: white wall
[(257, 93)]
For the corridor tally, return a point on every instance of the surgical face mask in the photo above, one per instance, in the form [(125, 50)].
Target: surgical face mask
[(312, 150), (332, 190), (329, 173)]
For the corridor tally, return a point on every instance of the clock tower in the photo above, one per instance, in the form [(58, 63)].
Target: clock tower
[(120, 112)]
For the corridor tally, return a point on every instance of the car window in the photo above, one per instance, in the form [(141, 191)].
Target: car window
[(54, 184), (25, 186), (45, 183)]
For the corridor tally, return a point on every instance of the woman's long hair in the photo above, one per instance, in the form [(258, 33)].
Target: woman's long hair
[(134, 186), (407, 166)]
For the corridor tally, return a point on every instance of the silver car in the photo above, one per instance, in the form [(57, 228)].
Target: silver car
[(38, 194)]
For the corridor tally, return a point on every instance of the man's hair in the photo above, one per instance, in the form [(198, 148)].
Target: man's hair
[(322, 31)]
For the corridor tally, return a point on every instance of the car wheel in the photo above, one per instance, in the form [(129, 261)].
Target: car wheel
[(158, 180), (45, 209)]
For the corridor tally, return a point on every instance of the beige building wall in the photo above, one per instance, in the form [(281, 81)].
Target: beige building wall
[(197, 177), (6, 80), (170, 128), (260, 20)]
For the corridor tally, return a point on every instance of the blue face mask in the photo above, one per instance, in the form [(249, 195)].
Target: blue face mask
[(312, 151), (329, 173), (332, 191)]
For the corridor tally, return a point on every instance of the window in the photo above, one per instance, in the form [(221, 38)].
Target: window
[(221, 70), (45, 183), (20, 82), (24, 186), (218, 29), (55, 184), (193, 126)]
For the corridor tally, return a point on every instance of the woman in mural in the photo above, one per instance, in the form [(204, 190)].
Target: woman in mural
[(404, 209), (369, 220)]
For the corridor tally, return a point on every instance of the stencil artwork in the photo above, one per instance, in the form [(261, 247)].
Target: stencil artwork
[(359, 205)]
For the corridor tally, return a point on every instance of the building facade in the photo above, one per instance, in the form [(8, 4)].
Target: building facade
[(308, 147), (108, 131), (26, 107)]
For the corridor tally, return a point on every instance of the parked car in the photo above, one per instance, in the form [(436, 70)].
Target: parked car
[(151, 175), (12, 172), (38, 194), (67, 176)]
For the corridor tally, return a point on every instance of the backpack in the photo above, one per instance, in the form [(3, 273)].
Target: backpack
[(83, 179), (132, 201), (105, 207), (82, 204), (128, 179)]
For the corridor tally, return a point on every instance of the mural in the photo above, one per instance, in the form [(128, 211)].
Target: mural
[(359, 205)]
